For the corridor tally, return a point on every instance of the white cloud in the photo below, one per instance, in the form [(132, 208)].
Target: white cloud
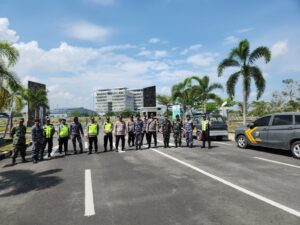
[(154, 40), (7, 34), (153, 54), (160, 54), (244, 30), (165, 90), (191, 48), (231, 40), (86, 31), (101, 2), (64, 58), (202, 59), (279, 48)]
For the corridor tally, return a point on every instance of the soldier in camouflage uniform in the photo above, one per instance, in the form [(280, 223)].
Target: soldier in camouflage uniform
[(37, 136), (177, 129), (18, 134), (166, 127)]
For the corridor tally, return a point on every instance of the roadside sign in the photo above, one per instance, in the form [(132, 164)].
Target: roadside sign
[(175, 111)]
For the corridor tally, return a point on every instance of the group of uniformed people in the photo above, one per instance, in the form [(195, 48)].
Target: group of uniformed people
[(137, 130)]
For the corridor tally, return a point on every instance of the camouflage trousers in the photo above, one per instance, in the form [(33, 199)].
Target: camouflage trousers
[(21, 149), (177, 138), (166, 136)]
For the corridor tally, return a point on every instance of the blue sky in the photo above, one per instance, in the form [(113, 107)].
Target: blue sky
[(78, 46)]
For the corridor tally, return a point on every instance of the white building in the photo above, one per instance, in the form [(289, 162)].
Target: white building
[(138, 99), (114, 100), (118, 99)]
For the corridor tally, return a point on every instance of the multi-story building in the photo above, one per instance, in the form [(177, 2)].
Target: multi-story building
[(118, 99)]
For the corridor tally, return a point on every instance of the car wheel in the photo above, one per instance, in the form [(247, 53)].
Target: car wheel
[(242, 141), (295, 149)]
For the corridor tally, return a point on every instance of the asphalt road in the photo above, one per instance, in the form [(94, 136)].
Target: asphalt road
[(223, 185)]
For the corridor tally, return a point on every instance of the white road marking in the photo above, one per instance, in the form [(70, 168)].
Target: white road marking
[(286, 164), (54, 150), (239, 188), (89, 199)]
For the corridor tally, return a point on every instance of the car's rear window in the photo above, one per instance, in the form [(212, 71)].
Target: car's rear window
[(281, 120), (297, 120)]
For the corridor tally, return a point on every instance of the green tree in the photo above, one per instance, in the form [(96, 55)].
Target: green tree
[(182, 94), (259, 108), (8, 80), (204, 91), (36, 99), (242, 58), (165, 100)]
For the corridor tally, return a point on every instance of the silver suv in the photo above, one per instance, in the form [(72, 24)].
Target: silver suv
[(279, 130)]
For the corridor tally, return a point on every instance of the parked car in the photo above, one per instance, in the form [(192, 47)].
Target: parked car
[(279, 130), (218, 128)]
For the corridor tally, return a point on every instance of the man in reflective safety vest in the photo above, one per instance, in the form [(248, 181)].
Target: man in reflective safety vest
[(108, 128), (64, 135), (205, 127), (92, 132), (49, 131)]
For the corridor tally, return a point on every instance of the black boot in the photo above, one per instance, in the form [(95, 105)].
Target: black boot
[(13, 162)]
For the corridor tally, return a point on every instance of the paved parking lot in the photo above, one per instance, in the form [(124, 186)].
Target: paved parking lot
[(223, 185)]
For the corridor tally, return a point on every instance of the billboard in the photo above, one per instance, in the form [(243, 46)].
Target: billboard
[(149, 96)]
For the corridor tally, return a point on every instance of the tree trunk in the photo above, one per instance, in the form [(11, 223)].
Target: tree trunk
[(245, 107)]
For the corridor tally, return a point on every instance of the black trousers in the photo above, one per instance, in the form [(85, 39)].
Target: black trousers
[(63, 142), (150, 134), (205, 137), (144, 134), (93, 140), (49, 142), (108, 137), (78, 138), (122, 137), (131, 138)]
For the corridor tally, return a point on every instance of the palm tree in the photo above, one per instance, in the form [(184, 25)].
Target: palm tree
[(182, 94), (203, 91), (165, 100), (242, 58), (8, 80), (36, 99)]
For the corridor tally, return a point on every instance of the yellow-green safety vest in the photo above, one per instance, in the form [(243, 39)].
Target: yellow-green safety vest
[(64, 131), (93, 129), (48, 130), (108, 127), (204, 124)]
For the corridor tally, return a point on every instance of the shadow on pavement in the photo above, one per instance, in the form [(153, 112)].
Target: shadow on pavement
[(270, 150), (16, 182)]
